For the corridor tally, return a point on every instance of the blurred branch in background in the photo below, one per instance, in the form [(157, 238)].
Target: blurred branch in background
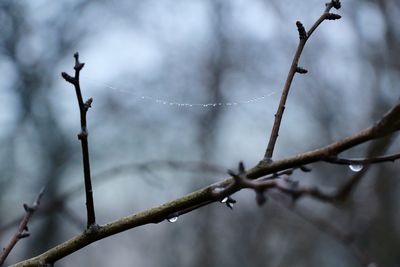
[(23, 230)]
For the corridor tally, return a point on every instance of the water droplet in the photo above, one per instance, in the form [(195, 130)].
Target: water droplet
[(172, 219), (224, 200), (356, 167)]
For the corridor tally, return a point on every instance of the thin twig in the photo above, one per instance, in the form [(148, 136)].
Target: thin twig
[(367, 161), (22, 231), (83, 136), (292, 71)]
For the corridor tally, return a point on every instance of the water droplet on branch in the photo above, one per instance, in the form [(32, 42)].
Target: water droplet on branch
[(356, 167), (224, 200), (172, 219)]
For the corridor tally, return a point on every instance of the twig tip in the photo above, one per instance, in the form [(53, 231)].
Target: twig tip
[(78, 65)]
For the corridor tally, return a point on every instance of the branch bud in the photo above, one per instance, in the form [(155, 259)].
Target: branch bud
[(336, 4), (301, 70), (88, 103), (68, 78), (78, 65), (333, 16), (302, 31)]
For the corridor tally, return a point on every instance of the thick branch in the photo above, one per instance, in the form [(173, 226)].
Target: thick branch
[(83, 136), (22, 231), (292, 71)]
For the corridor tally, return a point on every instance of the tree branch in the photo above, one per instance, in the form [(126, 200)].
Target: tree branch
[(22, 231), (217, 191), (83, 136), (303, 36)]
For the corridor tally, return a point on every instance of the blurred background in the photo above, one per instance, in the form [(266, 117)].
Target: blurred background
[(182, 91)]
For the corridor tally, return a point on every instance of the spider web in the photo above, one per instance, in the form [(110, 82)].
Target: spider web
[(172, 102)]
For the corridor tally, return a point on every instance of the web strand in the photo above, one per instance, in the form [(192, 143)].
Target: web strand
[(166, 102)]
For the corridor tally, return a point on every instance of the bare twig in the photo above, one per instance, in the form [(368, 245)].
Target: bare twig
[(83, 136), (367, 161), (303, 36), (22, 231)]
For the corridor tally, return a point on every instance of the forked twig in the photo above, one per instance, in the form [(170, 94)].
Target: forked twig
[(294, 68)]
